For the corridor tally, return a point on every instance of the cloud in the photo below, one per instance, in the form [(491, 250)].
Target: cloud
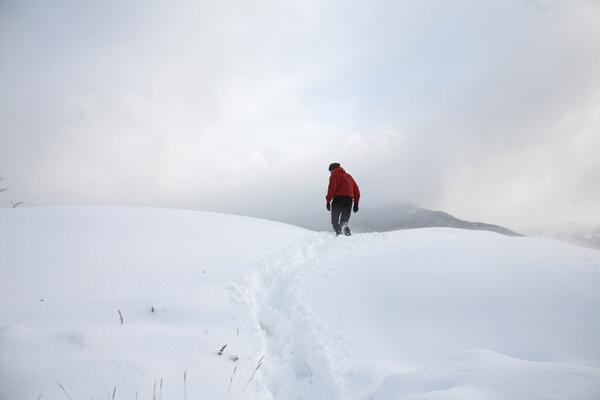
[(485, 109)]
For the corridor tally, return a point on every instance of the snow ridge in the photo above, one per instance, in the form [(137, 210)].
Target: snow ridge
[(487, 375)]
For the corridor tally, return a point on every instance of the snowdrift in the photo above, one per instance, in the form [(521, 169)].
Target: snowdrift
[(140, 303)]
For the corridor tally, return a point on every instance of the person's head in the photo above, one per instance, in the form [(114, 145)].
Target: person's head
[(333, 166)]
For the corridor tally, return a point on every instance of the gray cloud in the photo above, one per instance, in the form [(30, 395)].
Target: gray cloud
[(486, 109)]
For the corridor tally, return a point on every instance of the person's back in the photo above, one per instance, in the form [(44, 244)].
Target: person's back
[(341, 193)]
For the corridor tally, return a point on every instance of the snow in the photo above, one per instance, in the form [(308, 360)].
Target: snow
[(434, 313)]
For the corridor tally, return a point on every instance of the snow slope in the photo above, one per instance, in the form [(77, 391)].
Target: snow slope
[(433, 313)]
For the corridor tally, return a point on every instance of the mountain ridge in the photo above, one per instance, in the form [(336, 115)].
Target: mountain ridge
[(399, 217)]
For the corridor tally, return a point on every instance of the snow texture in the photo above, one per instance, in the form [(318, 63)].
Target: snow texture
[(433, 313)]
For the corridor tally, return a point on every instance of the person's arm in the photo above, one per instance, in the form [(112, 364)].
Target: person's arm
[(356, 194), (331, 189)]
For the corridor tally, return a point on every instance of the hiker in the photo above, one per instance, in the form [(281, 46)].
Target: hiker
[(340, 194)]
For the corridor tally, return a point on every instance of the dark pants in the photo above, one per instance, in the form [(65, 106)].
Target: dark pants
[(340, 212)]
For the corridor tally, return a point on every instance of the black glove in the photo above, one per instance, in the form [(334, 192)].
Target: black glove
[(355, 208), (328, 206)]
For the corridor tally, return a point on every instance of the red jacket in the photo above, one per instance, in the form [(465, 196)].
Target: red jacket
[(342, 184)]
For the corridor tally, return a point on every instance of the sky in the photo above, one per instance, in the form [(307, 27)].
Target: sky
[(489, 110)]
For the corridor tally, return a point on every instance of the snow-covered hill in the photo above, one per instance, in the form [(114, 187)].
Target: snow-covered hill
[(416, 314)]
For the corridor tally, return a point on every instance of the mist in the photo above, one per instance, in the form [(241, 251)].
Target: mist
[(488, 110)]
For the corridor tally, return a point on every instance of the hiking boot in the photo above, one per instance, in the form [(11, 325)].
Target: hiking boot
[(346, 230)]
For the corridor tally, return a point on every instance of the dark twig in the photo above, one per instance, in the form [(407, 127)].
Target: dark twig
[(121, 317), (220, 352), (536, 4)]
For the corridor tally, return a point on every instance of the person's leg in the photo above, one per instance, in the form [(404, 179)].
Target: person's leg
[(336, 210), (345, 217), (345, 212)]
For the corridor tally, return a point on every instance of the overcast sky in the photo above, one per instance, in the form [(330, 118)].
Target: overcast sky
[(489, 110)]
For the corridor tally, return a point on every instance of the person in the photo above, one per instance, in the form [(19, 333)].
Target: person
[(342, 191)]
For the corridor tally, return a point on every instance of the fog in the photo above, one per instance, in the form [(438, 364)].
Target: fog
[(489, 110)]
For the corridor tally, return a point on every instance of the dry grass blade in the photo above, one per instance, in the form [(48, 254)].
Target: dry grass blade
[(303, 363), (185, 385), (160, 389), (231, 379), (258, 365), (65, 391)]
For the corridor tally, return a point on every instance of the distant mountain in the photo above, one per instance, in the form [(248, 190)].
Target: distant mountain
[(402, 216), (587, 235), (588, 239)]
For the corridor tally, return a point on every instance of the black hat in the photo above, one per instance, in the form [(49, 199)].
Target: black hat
[(333, 166)]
